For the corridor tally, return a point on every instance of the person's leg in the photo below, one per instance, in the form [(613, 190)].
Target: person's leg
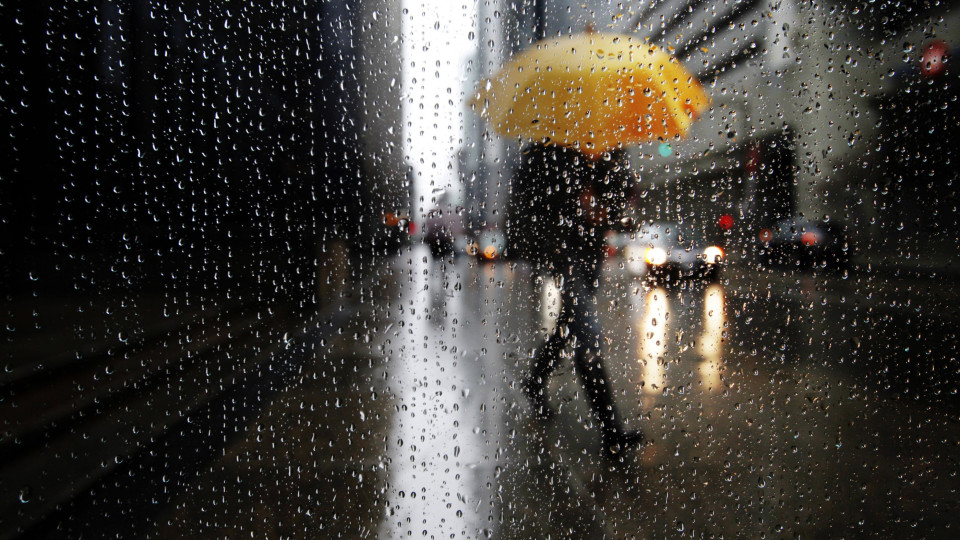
[(547, 358), (545, 362), (581, 296)]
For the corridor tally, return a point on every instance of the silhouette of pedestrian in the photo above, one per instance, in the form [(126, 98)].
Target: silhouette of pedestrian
[(563, 203)]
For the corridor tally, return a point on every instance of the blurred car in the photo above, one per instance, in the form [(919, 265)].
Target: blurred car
[(804, 243), (666, 251), (444, 233), (490, 244)]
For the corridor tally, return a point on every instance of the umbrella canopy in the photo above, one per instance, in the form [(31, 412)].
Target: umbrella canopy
[(592, 91)]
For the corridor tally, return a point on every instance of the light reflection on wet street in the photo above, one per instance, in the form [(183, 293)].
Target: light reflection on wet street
[(775, 404)]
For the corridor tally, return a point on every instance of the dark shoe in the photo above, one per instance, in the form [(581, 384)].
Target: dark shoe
[(621, 441), (538, 400)]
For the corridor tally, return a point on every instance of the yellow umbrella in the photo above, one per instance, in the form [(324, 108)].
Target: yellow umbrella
[(592, 91)]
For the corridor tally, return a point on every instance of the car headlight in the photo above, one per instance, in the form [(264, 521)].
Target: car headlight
[(713, 255), (655, 256)]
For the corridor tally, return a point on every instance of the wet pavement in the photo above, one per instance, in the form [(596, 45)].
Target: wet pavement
[(776, 405)]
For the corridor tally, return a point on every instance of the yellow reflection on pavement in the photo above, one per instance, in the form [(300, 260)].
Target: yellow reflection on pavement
[(711, 341), (653, 340)]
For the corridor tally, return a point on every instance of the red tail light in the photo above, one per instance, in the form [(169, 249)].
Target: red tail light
[(809, 238), (725, 222)]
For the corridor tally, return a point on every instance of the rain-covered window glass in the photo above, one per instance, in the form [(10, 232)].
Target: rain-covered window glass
[(479, 268)]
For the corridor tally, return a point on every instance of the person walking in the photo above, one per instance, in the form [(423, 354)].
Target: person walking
[(563, 203)]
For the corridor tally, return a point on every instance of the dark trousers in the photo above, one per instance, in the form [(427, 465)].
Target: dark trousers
[(578, 324)]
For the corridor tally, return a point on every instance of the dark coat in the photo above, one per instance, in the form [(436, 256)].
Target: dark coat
[(547, 223)]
